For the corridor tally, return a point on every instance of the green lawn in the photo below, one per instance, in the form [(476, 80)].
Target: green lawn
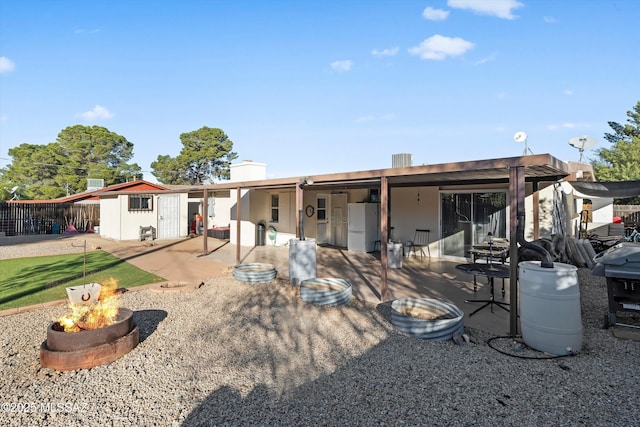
[(27, 281)]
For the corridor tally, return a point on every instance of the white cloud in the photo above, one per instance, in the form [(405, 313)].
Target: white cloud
[(371, 118), (439, 47), (489, 58), (568, 125), (435, 14), (500, 8), (6, 64), (365, 119), (342, 66), (568, 92), (98, 113), (385, 52), (3, 118), (549, 19)]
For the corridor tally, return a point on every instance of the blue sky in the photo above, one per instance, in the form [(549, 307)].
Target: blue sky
[(313, 87)]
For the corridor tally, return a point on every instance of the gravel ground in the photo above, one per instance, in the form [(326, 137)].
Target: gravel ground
[(236, 354), (48, 244)]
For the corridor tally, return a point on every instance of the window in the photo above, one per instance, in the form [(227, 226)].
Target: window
[(322, 208), (467, 218), (275, 207), (141, 202)]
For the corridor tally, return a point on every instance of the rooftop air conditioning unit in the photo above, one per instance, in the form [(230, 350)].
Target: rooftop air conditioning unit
[(94, 184), (401, 160)]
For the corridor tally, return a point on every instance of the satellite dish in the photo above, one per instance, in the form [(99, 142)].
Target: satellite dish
[(522, 137), (13, 191), (582, 143)]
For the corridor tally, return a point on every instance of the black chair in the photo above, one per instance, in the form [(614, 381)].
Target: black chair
[(419, 242)]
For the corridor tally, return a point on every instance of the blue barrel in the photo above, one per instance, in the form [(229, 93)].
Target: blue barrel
[(550, 317), (55, 229)]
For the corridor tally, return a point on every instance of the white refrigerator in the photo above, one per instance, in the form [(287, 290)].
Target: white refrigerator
[(364, 226)]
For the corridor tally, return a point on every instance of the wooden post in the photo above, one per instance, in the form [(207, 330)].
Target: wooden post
[(238, 224), (299, 196), (205, 221), (384, 228), (516, 210), (536, 210)]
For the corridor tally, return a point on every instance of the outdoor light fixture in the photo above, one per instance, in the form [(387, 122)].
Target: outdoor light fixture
[(307, 180)]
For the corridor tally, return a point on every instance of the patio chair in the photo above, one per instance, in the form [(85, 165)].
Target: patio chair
[(419, 242)]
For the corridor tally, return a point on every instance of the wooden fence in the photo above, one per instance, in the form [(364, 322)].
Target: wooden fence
[(20, 219), (630, 214)]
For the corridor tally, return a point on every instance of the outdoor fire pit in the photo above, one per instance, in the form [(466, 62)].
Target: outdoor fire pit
[(92, 333), (66, 351)]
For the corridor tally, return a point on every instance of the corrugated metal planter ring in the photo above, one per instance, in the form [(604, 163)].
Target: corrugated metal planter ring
[(254, 272), (427, 318), (326, 291)]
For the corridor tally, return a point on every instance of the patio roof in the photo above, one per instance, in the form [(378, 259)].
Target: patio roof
[(515, 171), (540, 167)]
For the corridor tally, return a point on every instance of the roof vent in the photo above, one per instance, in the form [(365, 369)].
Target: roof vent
[(401, 160)]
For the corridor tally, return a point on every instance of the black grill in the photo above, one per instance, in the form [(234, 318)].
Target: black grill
[(621, 267)]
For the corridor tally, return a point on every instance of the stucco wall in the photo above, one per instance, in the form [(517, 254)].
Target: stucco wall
[(413, 208), (110, 217), (132, 221), (118, 223)]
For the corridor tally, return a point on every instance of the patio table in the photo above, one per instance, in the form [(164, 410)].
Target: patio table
[(491, 271), (494, 251)]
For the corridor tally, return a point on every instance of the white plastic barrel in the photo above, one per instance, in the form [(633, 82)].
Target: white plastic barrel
[(394, 255), (550, 317), (302, 260)]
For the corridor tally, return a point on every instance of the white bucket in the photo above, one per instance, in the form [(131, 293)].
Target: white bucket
[(86, 294), (550, 316)]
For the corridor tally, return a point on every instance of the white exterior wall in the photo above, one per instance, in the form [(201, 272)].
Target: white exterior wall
[(286, 225), (116, 222), (602, 211), (132, 221), (110, 218), (545, 211), (221, 216), (184, 214), (247, 170), (247, 228), (601, 215), (412, 208)]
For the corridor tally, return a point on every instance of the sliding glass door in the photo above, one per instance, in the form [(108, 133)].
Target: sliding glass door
[(467, 218)]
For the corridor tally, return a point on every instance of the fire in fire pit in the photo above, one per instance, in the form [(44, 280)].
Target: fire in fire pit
[(91, 334)]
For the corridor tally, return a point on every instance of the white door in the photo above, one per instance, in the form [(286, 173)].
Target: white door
[(169, 216), (322, 219), (339, 221)]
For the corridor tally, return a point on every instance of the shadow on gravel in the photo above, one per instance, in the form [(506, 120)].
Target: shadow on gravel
[(148, 321)]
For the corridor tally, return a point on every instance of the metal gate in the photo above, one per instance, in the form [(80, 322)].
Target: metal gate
[(169, 216)]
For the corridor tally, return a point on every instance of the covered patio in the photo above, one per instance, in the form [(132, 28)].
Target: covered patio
[(369, 273), (419, 277)]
